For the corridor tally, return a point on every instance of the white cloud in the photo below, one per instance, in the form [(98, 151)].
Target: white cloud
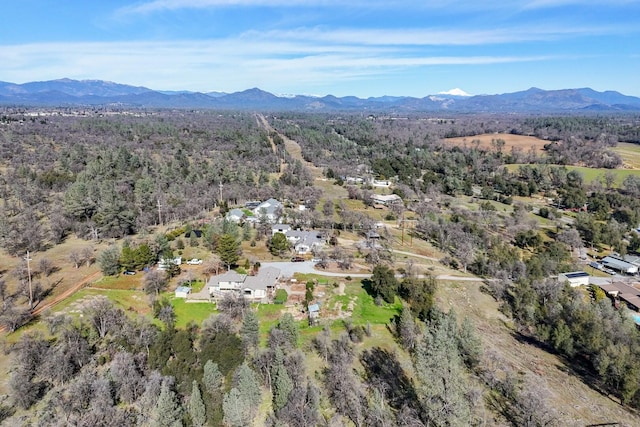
[(232, 64)]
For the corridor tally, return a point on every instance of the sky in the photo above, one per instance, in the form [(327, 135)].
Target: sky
[(318, 47)]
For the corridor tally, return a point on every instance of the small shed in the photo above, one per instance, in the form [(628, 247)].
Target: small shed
[(575, 278), (183, 291), (314, 313)]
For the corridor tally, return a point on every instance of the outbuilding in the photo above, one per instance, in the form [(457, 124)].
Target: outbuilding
[(575, 278), (183, 291), (619, 265)]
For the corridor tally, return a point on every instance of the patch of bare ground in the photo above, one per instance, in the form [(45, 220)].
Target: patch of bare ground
[(522, 142), (576, 402)]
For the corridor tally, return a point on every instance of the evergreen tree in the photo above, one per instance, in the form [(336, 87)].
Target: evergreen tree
[(167, 412), (196, 407), (237, 411), (212, 378), (288, 325), (278, 244), (246, 382), (250, 331), (127, 257), (282, 387), (229, 250)]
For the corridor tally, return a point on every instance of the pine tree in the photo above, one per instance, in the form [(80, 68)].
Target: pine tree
[(167, 412), (236, 409), (288, 325), (196, 407), (229, 249), (212, 378), (250, 331), (247, 383), (282, 387)]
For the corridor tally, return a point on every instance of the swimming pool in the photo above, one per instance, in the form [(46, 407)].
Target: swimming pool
[(636, 317)]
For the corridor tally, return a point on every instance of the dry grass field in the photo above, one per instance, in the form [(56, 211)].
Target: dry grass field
[(522, 142)]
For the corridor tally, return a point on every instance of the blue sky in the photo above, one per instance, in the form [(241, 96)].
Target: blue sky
[(363, 47)]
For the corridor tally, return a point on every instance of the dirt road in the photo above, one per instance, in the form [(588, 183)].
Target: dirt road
[(66, 294)]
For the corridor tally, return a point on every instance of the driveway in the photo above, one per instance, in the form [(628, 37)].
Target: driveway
[(288, 269)]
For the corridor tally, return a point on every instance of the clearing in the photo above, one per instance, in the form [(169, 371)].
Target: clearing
[(522, 142)]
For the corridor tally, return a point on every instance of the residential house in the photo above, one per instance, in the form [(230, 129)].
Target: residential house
[(385, 183), (253, 287), (235, 215), (385, 199), (304, 242), (280, 228), (270, 209)]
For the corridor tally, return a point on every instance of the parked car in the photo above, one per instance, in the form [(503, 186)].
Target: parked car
[(609, 271), (297, 259), (129, 273), (194, 261)]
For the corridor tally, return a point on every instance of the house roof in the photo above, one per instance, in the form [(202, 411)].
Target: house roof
[(229, 276), (623, 291), (184, 289), (238, 213), (266, 276), (618, 264), (575, 274), (285, 227), (314, 308), (308, 238), (270, 206), (386, 197)]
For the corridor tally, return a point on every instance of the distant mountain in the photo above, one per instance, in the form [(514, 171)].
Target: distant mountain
[(67, 92)]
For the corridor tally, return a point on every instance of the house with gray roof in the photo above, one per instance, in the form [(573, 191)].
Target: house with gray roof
[(270, 209), (235, 215), (257, 286)]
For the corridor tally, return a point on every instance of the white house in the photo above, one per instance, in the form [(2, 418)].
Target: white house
[(385, 183), (235, 215), (253, 287), (280, 228), (385, 199), (575, 278), (270, 209)]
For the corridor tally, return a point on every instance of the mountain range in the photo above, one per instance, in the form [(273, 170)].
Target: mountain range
[(68, 92)]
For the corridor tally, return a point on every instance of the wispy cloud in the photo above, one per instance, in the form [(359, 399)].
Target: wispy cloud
[(233, 63)]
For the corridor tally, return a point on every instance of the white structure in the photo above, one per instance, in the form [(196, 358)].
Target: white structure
[(619, 265), (575, 278), (235, 215), (270, 209), (183, 291), (280, 228), (385, 199), (164, 263), (385, 183), (254, 287)]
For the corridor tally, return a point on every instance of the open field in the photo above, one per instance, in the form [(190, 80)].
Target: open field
[(630, 154), (592, 174), (522, 142)]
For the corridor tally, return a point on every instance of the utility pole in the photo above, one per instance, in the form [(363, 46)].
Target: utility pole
[(220, 186), (28, 259), (159, 212)]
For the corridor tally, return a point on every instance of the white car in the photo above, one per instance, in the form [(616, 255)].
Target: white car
[(194, 261)]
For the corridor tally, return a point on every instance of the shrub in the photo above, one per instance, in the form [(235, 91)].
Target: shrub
[(281, 296)]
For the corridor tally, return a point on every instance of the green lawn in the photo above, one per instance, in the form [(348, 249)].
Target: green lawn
[(592, 174), (187, 312)]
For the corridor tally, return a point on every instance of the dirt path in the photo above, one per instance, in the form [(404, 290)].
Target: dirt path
[(66, 294), (293, 148), (263, 122)]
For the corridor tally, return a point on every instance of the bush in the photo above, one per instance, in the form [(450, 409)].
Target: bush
[(281, 296)]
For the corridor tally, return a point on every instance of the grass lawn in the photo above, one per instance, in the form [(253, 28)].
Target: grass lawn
[(130, 301), (187, 312), (593, 174)]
